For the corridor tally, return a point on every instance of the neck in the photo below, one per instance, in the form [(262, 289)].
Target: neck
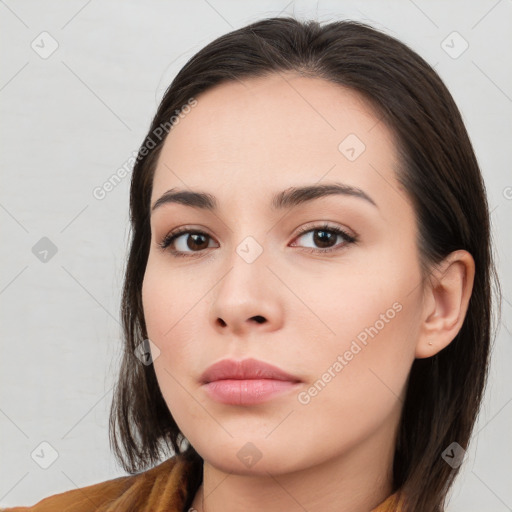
[(357, 481)]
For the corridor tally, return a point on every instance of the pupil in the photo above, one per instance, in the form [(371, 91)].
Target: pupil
[(323, 239), (195, 237)]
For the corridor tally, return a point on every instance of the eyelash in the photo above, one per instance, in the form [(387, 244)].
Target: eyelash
[(349, 239)]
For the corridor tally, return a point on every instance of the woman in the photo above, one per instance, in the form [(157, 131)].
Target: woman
[(307, 299)]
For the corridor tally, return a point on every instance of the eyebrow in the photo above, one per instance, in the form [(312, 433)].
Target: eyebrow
[(286, 199)]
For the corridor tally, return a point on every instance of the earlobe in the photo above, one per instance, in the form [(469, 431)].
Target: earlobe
[(447, 295)]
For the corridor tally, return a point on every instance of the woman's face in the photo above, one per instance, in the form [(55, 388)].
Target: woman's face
[(339, 312)]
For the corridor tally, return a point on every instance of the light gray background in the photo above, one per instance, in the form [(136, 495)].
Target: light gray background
[(70, 120)]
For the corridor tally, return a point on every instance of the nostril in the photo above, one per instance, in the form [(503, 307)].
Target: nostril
[(259, 319), (221, 322)]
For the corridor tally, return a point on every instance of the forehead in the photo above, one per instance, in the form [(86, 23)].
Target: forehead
[(262, 134)]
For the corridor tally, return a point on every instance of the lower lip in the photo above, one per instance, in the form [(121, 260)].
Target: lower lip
[(247, 392)]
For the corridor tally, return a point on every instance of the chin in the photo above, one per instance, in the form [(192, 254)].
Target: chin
[(257, 457)]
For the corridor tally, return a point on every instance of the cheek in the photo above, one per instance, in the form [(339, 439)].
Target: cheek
[(166, 298), (361, 354), (174, 305), (358, 377), (167, 303)]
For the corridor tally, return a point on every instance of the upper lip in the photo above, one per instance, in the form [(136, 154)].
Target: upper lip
[(245, 369)]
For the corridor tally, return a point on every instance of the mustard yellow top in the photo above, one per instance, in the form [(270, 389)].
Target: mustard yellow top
[(160, 489)]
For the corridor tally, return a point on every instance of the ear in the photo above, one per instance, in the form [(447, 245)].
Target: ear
[(446, 298)]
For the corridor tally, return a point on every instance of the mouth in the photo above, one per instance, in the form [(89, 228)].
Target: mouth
[(246, 382)]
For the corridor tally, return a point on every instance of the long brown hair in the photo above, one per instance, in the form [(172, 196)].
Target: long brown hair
[(439, 172)]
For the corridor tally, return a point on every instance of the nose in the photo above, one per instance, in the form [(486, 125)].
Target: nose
[(248, 298)]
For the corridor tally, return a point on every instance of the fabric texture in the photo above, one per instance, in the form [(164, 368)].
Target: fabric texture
[(160, 489)]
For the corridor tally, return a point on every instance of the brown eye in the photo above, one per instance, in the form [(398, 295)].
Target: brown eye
[(185, 242), (325, 238), (195, 241)]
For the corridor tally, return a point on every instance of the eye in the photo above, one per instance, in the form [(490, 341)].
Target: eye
[(185, 242), (191, 242), (325, 237)]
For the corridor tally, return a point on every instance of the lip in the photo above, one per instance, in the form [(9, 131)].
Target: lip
[(245, 370), (246, 382)]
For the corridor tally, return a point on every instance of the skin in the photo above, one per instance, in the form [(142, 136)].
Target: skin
[(243, 142)]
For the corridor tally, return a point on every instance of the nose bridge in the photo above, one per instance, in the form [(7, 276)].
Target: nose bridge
[(245, 296)]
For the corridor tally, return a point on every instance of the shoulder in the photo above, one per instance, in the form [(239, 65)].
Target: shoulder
[(394, 503), (131, 492)]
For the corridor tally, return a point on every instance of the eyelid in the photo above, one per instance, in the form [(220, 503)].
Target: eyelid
[(325, 225)]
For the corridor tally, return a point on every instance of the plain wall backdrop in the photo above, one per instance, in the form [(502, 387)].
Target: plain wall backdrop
[(79, 83)]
